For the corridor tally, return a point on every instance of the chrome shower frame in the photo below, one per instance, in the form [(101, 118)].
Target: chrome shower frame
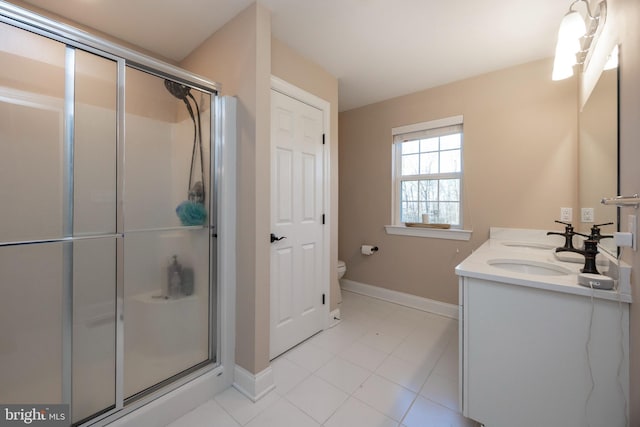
[(74, 39)]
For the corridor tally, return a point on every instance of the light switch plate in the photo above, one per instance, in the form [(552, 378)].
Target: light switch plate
[(566, 214)]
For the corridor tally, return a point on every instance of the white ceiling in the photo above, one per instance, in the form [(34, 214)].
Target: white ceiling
[(378, 49)]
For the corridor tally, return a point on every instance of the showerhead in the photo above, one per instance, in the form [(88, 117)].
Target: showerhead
[(176, 89), (196, 191)]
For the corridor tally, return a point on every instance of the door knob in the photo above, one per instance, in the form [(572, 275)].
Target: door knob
[(275, 238)]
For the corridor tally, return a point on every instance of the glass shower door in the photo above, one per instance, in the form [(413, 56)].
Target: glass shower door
[(107, 264), (166, 234), (57, 233), (32, 83)]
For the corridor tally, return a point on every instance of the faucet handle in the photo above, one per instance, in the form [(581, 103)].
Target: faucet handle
[(601, 225), (568, 227), (568, 234), (595, 232)]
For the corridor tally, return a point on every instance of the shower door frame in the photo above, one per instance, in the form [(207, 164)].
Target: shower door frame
[(221, 315)]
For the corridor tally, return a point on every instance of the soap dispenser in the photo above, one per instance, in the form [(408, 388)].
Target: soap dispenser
[(174, 278)]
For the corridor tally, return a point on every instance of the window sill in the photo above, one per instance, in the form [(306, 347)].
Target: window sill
[(434, 233)]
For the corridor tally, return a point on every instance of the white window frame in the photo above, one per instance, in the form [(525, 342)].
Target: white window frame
[(456, 232)]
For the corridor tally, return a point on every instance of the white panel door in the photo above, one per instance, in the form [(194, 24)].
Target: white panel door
[(296, 218)]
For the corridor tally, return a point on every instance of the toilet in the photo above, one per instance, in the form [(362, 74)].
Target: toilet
[(342, 268)]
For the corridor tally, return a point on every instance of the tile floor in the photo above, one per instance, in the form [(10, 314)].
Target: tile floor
[(382, 365)]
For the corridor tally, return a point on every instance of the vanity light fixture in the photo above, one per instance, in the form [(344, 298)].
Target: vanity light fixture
[(576, 37)]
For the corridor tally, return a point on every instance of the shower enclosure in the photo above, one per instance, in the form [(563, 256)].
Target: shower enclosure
[(109, 297)]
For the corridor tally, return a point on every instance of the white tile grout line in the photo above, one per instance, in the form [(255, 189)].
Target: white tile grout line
[(350, 395), (417, 395), (425, 382)]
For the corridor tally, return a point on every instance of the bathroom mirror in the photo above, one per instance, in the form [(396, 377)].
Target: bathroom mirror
[(598, 156)]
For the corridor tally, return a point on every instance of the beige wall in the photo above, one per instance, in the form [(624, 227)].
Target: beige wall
[(520, 131), (624, 19), (299, 71), (242, 56), (239, 57)]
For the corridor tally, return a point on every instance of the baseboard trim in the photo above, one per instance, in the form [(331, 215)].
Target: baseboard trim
[(408, 300), (253, 386), (173, 405)]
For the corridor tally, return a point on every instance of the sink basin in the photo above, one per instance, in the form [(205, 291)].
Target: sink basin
[(528, 245), (529, 267)]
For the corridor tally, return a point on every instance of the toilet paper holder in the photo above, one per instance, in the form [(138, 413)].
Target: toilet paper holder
[(368, 249)]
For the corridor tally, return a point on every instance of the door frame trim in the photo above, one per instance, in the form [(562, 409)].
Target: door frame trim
[(295, 92)]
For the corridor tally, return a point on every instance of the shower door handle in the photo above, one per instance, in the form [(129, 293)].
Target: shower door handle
[(275, 238)]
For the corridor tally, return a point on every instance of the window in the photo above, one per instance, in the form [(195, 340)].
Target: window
[(428, 172)]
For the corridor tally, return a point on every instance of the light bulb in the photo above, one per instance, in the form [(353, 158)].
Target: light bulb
[(572, 26), (561, 72), (568, 48)]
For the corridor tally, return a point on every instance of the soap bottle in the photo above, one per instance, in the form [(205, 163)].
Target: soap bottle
[(174, 278)]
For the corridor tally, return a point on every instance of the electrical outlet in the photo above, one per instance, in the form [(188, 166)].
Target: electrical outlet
[(566, 214), (587, 215)]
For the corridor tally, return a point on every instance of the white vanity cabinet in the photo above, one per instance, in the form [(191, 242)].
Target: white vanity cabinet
[(524, 359)]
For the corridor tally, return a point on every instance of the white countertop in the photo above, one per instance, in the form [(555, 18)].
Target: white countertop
[(536, 246)]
